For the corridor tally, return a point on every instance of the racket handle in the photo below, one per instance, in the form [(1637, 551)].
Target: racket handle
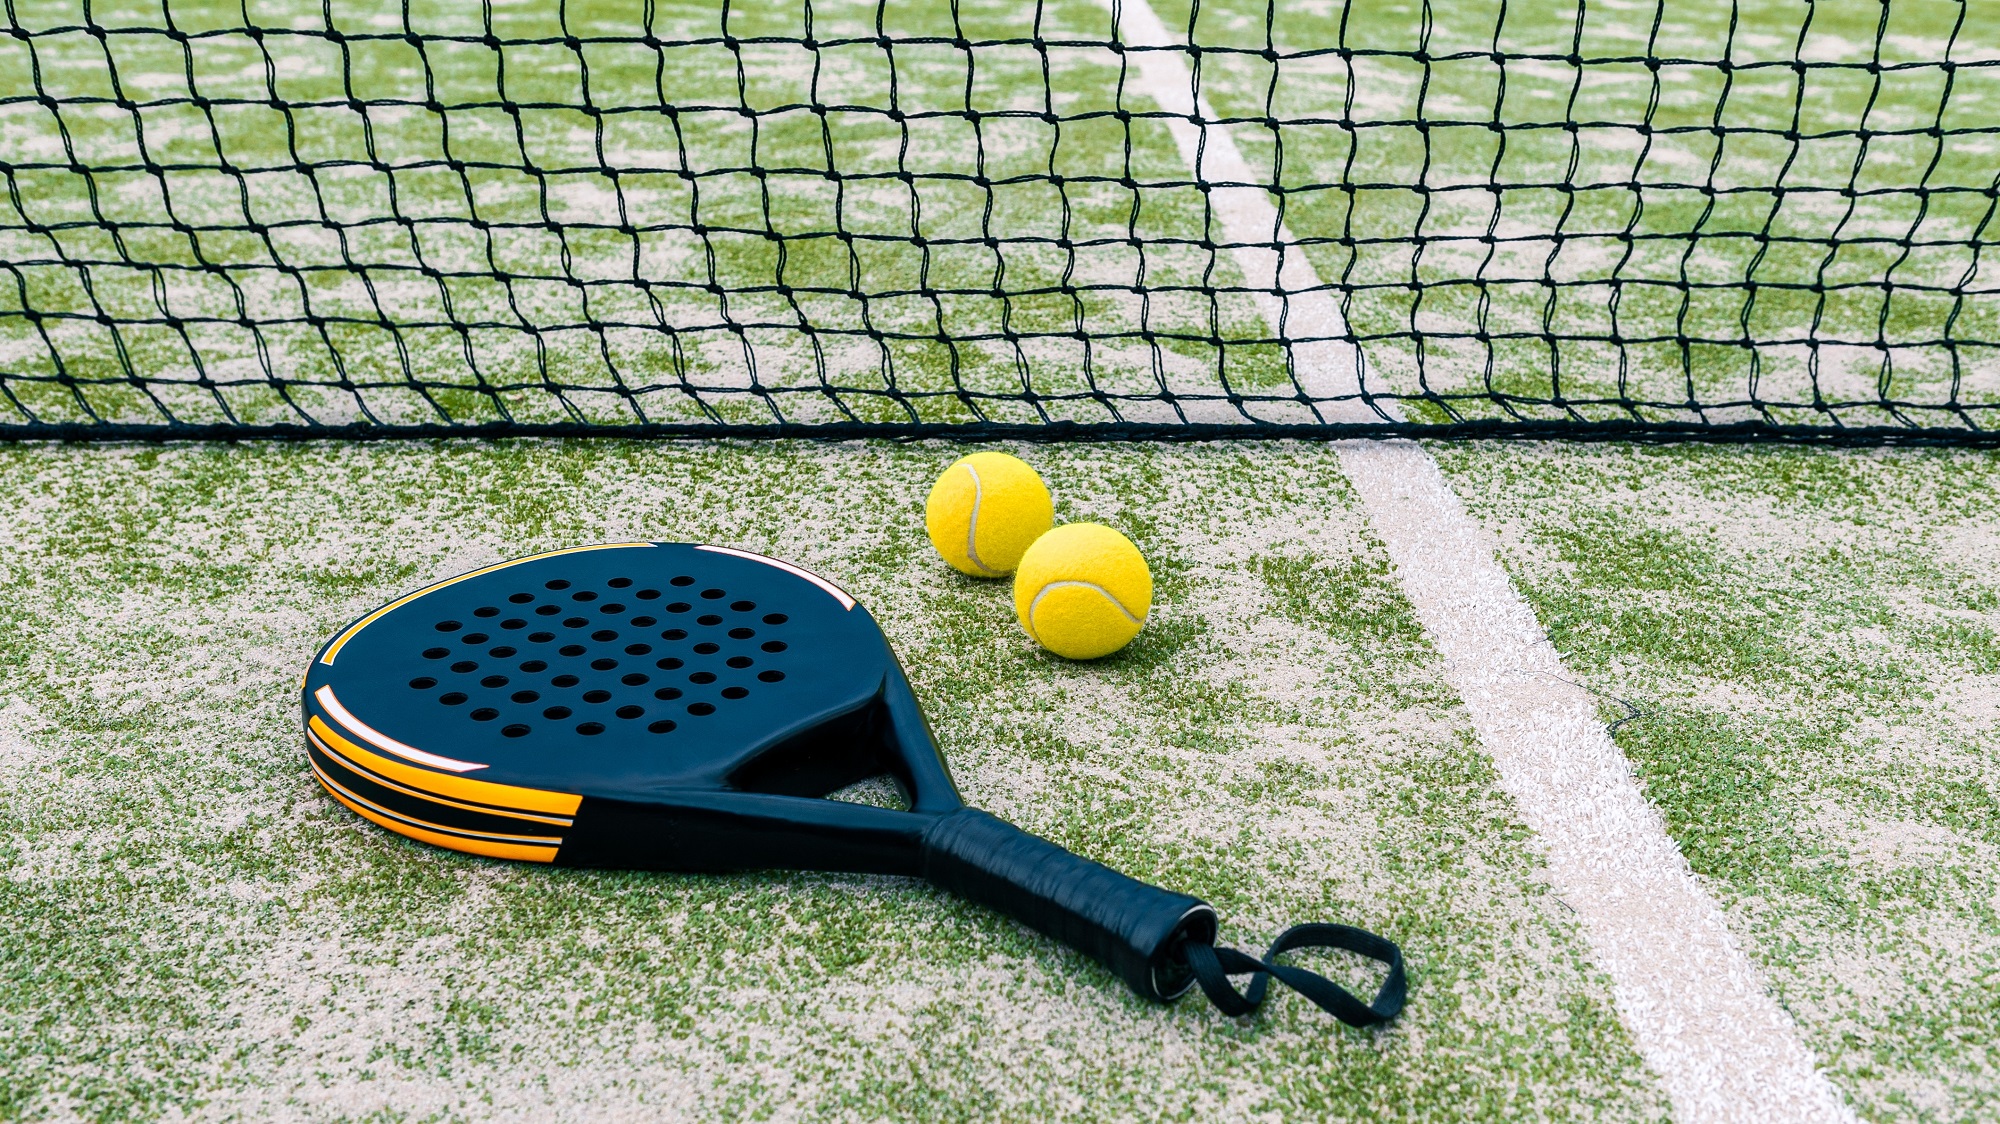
[(1134, 929)]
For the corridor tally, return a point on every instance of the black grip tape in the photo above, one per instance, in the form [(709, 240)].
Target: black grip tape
[(1134, 929)]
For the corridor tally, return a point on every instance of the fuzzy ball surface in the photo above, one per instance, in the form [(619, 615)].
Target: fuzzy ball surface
[(984, 512), (1083, 591)]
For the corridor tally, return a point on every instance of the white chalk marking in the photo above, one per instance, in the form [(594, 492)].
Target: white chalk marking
[(1696, 1008)]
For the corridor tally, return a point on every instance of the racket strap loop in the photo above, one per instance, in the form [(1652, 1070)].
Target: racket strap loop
[(1212, 967)]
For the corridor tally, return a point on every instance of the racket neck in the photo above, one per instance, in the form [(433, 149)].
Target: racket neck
[(915, 759), (719, 832)]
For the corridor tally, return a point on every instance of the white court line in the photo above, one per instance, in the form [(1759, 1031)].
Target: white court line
[(1696, 1008)]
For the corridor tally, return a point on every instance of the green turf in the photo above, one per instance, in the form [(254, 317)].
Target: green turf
[(192, 926), (1800, 651), (1797, 648)]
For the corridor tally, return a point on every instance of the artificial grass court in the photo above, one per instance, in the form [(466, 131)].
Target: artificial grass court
[(1797, 647), (584, 215)]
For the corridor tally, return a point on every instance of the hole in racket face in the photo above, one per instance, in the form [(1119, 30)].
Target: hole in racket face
[(611, 669), (878, 792)]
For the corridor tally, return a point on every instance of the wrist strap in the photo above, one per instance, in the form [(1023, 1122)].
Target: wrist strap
[(1213, 966)]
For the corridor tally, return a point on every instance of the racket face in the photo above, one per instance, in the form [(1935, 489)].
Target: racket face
[(518, 710)]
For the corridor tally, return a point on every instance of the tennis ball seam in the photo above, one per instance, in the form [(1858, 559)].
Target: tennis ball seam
[(1035, 634), (972, 524)]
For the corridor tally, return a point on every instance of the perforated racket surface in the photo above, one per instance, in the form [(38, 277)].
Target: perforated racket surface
[(682, 707)]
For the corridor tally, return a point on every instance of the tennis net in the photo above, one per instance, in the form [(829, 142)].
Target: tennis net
[(995, 218)]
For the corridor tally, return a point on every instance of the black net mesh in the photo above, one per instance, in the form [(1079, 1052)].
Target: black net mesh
[(999, 217)]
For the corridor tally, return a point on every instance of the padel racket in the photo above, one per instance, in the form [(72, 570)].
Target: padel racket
[(666, 706)]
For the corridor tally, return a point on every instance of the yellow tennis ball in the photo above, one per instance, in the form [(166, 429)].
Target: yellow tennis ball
[(984, 511), (1083, 590)]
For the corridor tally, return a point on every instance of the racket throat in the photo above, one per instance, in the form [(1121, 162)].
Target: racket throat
[(886, 737), (699, 832)]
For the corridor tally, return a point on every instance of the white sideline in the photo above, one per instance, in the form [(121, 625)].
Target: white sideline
[(1696, 1008)]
